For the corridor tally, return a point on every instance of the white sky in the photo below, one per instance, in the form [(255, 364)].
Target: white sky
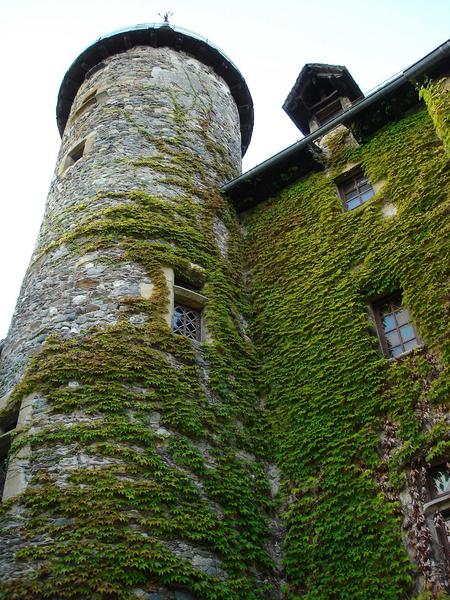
[(268, 40)]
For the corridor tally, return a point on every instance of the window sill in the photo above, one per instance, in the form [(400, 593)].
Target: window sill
[(417, 349), (442, 502)]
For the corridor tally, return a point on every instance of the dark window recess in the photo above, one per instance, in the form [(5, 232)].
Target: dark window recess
[(187, 321), (397, 333), (3, 469), (355, 190), (439, 480), (192, 283), (87, 103), (442, 523), (77, 152), (328, 112), (6, 426)]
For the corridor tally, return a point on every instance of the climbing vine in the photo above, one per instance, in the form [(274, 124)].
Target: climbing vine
[(195, 481), (349, 425)]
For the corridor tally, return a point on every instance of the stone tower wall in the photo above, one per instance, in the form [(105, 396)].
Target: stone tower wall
[(145, 88), (137, 466)]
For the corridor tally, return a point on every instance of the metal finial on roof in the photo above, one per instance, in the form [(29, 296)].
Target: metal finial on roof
[(166, 16)]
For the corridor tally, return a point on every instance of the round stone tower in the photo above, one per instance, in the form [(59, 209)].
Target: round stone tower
[(135, 441)]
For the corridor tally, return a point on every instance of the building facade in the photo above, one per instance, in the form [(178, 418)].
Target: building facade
[(219, 385)]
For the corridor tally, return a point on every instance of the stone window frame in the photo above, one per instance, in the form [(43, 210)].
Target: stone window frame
[(377, 317), (17, 465), (351, 186), (87, 102), (8, 427), (76, 153)]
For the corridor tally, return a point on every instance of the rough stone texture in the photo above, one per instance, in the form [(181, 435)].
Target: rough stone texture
[(63, 291), (70, 293)]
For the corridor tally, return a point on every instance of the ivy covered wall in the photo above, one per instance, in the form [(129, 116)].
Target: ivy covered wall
[(144, 454), (353, 431)]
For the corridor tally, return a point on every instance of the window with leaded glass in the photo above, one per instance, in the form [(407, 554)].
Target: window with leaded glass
[(355, 190), (187, 321), (396, 331), (439, 480)]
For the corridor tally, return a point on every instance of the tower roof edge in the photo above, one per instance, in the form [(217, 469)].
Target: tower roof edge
[(158, 35)]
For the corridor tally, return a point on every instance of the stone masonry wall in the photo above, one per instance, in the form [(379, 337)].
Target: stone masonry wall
[(63, 291), (138, 466)]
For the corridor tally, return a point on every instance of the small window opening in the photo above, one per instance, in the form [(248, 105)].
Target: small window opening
[(73, 156), (355, 190), (6, 427), (187, 316), (187, 321), (396, 331), (77, 152), (88, 102)]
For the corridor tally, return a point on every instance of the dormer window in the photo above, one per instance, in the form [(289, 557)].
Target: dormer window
[(320, 94)]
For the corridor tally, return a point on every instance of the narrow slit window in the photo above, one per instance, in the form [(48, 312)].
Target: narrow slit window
[(355, 190), (76, 153), (3, 471), (73, 156), (6, 427), (396, 331), (88, 102)]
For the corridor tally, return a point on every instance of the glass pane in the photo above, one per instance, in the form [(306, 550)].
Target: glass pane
[(395, 351), (177, 321), (367, 194), (351, 195), (407, 333), (441, 480), (388, 322), (411, 345), (402, 316), (353, 203), (393, 339), (186, 321)]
